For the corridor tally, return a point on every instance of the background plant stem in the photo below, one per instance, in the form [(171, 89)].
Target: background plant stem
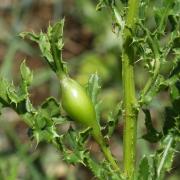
[(129, 101)]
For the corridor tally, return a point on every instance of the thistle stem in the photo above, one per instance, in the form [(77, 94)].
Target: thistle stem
[(129, 98)]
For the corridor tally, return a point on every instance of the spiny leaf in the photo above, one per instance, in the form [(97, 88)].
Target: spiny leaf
[(4, 85), (161, 15), (94, 87), (50, 44), (119, 22), (93, 90), (85, 134), (32, 36), (14, 95), (26, 74), (50, 107), (177, 128), (144, 169), (43, 41), (55, 35), (154, 89), (113, 118), (143, 9), (164, 156), (169, 123), (47, 134), (18, 96), (105, 3), (152, 135), (75, 152), (45, 47)]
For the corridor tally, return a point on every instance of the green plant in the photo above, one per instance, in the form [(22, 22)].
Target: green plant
[(140, 45)]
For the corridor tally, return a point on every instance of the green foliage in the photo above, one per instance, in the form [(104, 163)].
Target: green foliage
[(104, 3), (93, 90), (152, 48), (42, 122), (113, 119), (50, 44), (153, 54), (164, 157), (155, 165), (10, 167), (144, 169), (152, 135)]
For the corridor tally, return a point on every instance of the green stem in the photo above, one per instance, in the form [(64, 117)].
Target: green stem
[(96, 133), (129, 98), (107, 153)]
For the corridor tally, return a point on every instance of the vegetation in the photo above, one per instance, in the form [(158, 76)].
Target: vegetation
[(152, 47)]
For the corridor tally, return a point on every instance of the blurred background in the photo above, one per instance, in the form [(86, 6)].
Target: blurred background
[(90, 46)]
